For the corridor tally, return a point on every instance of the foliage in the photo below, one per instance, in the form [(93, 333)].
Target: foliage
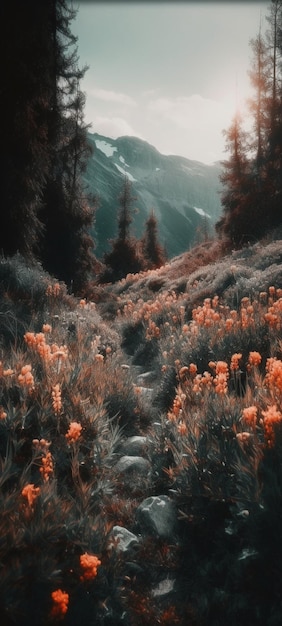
[(46, 209), (153, 252), (123, 258), (252, 175), (211, 417)]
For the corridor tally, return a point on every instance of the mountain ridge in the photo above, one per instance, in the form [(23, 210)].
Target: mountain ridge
[(184, 194)]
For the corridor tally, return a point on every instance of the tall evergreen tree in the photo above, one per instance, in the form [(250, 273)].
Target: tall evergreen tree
[(274, 152), (44, 140), (124, 257), (252, 203), (23, 126), (66, 214), (154, 254), (236, 183)]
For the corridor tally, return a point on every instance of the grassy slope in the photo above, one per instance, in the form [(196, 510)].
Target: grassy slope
[(70, 396)]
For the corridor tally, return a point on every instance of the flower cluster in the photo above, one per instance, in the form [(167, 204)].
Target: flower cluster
[(89, 564), (53, 290), (47, 468), (73, 432), (234, 363), (207, 315), (31, 493), (273, 378), (57, 399), (25, 378), (60, 603), (271, 417), (254, 359), (48, 353), (249, 416)]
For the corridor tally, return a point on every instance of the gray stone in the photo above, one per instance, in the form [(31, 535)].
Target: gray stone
[(122, 539), (134, 446), (130, 464), (163, 588), (146, 377), (157, 515)]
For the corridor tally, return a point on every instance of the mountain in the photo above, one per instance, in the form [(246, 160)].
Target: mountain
[(184, 194)]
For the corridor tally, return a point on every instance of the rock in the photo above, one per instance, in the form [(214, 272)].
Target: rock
[(122, 539), (133, 446), (163, 588), (131, 464), (146, 377), (157, 515)]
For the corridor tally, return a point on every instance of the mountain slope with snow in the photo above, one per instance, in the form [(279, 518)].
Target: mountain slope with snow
[(184, 194)]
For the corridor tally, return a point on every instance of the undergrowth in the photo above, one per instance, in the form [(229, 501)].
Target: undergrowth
[(70, 399)]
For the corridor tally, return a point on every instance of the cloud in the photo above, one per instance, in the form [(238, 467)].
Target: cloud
[(193, 124), (113, 127), (111, 96), (190, 112)]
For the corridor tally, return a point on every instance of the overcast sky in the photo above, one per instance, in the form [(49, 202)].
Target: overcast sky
[(171, 73)]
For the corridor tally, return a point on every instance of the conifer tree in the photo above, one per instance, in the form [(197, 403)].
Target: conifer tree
[(274, 152), (66, 214), (23, 125), (154, 254), (44, 209), (252, 177), (124, 257), (236, 182)]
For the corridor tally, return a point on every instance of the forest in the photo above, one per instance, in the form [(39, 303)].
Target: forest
[(140, 398)]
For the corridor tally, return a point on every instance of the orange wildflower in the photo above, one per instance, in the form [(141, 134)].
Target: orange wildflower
[(183, 372), (61, 600), (74, 432), (250, 415), (3, 413), (99, 358), (57, 399), (220, 383), (273, 377), (47, 468), (193, 369), (271, 417), (46, 328), (221, 367), (89, 563), (31, 493), (234, 363), (8, 372), (182, 428), (229, 323), (243, 437), (254, 358), (25, 378)]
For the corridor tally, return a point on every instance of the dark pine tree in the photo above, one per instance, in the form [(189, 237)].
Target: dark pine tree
[(66, 246), (236, 223), (123, 257), (23, 126), (153, 252)]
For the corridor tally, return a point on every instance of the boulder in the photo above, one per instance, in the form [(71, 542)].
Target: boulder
[(133, 446), (133, 464), (122, 539), (157, 515)]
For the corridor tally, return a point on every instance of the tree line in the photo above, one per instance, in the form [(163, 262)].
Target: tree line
[(46, 212), (252, 176)]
